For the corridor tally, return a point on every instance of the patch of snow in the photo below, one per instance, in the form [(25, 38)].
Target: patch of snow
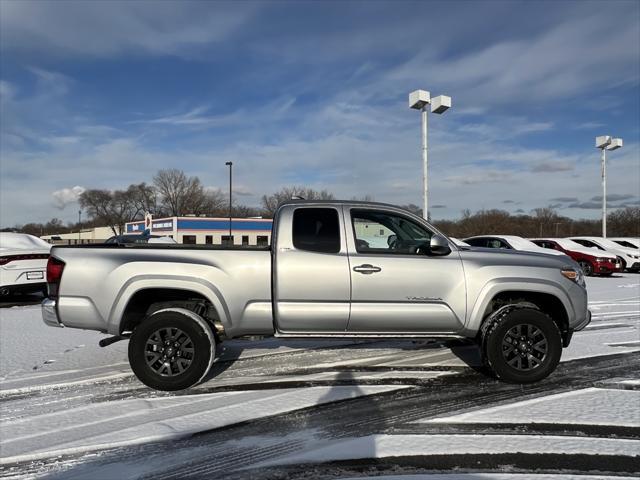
[(381, 446), (590, 406), (492, 476)]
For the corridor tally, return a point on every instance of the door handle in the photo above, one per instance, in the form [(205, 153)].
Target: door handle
[(367, 269)]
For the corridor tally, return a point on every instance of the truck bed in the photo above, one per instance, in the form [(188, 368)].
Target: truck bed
[(168, 246)]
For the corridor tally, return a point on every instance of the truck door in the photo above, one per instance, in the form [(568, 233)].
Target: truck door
[(397, 286), (311, 280)]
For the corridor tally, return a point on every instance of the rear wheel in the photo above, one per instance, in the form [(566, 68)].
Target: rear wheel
[(586, 267), (172, 349), (522, 346)]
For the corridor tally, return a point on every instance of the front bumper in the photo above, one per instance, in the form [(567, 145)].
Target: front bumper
[(50, 313), (634, 266), (566, 337), (606, 267), (584, 323)]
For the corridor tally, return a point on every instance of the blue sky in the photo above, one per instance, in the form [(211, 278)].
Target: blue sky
[(103, 94)]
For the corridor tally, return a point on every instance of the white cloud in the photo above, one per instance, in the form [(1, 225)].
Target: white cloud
[(104, 29), (66, 196)]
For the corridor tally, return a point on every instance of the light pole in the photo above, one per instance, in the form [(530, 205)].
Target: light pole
[(605, 143), (230, 164), (418, 100), (79, 225)]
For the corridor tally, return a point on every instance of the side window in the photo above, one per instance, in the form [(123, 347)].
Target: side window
[(384, 232), (316, 230), (588, 243), (477, 242)]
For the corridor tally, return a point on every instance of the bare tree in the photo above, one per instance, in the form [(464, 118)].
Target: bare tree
[(144, 198), (113, 208), (625, 222), (271, 202), (182, 195)]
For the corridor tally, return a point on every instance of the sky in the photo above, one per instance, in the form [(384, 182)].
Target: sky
[(103, 94)]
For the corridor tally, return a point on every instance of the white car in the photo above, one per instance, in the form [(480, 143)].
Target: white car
[(629, 257), (23, 263), (509, 242), (629, 242), (458, 242)]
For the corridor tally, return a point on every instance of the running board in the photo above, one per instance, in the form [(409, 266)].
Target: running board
[(339, 335)]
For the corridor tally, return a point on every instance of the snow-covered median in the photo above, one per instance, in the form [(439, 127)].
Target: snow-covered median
[(590, 406), (381, 446)]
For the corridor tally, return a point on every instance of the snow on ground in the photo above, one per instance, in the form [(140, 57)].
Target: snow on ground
[(129, 422), (493, 476), (380, 446), (60, 392), (28, 346), (590, 406)]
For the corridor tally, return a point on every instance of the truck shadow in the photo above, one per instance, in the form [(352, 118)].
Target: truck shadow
[(263, 359)]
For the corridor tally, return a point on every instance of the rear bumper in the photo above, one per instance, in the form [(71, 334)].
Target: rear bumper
[(23, 288), (50, 313)]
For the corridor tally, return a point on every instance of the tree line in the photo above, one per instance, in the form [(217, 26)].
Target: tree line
[(173, 193)]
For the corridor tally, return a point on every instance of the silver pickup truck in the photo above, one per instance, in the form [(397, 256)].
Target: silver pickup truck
[(334, 270)]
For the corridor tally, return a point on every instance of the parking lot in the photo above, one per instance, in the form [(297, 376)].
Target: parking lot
[(313, 409)]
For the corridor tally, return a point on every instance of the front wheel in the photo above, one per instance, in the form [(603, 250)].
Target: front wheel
[(522, 346), (587, 268), (172, 349)]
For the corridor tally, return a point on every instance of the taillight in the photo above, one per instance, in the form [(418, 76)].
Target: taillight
[(27, 256), (54, 274)]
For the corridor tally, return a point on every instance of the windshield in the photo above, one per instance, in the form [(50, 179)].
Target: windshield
[(606, 243), (570, 244), (522, 243)]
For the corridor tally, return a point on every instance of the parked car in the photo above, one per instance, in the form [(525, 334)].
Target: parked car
[(629, 257), (326, 275), (629, 242), (23, 264), (458, 242), (138, 238), (508, 242), (592, 263)]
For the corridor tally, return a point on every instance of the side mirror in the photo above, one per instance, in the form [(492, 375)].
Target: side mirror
[(439, 245)]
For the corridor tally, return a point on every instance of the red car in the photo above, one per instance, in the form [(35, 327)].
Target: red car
[(591, 261)]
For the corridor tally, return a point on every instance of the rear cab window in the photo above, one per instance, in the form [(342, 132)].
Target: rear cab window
[(316, 230)]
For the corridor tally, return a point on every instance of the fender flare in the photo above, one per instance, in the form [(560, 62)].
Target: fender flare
[(177, 282), (493, 288)]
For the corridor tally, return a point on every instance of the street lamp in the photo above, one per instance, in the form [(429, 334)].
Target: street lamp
[(79, 225), (605, 143), (418, 100), (230, 164)]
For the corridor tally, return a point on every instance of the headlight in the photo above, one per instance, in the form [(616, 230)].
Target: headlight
[(574, 274), (601, 259)]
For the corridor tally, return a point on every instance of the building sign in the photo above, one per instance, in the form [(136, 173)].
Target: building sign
[(162, 225)]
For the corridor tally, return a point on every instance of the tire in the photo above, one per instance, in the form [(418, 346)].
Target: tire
[(623, 264), (513, 359), (586, 267), (189, 354)]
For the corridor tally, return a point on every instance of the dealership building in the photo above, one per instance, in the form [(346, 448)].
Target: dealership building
[(189, 230), (207, 231)]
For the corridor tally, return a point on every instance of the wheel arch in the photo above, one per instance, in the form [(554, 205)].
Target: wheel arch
[(138, 295), (547, 298)]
